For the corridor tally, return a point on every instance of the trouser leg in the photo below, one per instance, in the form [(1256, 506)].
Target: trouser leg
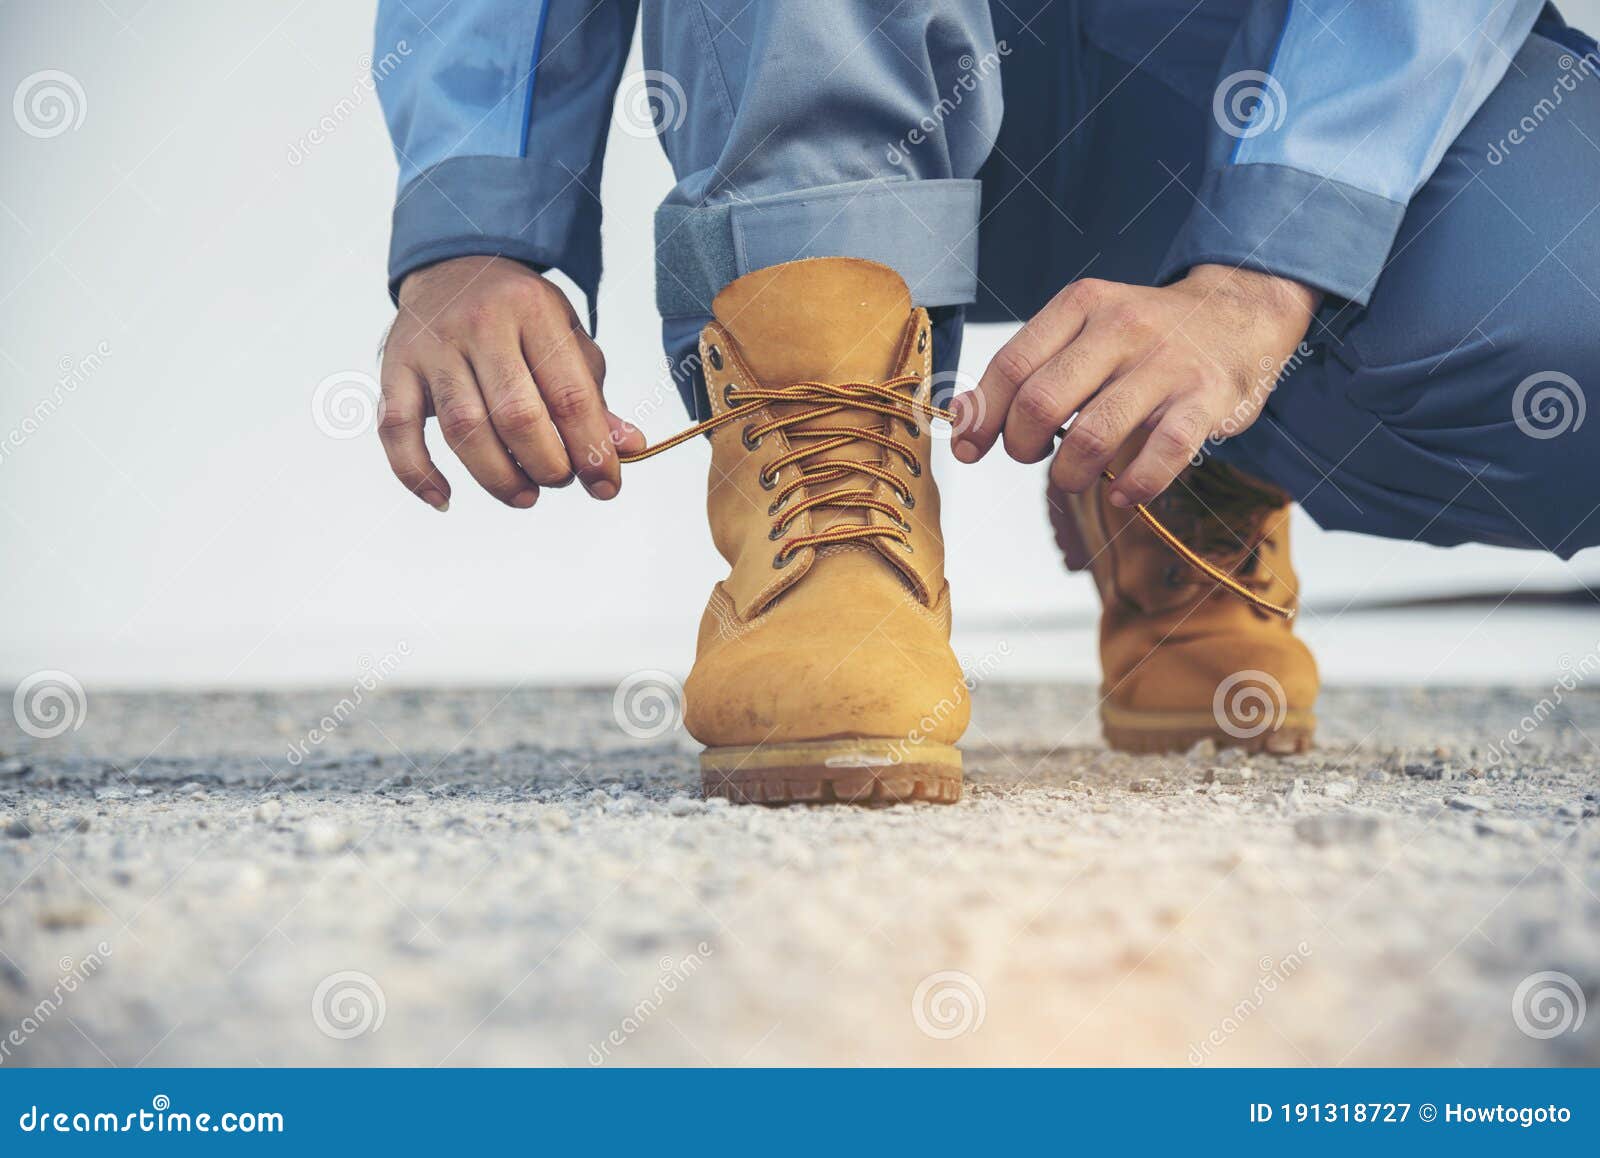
[(825, 129), (1450, 409)]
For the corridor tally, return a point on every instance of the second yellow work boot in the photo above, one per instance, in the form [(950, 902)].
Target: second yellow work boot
[(824, 670), (1182, 658)]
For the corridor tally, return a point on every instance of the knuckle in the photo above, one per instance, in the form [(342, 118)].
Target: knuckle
[(519, 415), (1013, 364), (459, 421), (397, 422), (1125, 317), (1088, 440), (1037, 407), (1084, 293), (569, 402)]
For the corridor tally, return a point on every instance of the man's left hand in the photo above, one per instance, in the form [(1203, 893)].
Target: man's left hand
[(1187, 362)]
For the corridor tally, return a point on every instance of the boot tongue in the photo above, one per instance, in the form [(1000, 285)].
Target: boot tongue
[(825, 319)]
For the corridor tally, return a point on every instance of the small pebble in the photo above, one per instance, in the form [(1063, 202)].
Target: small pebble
[(1237, 775), (268, 810), (1332, 828), (321, 835), (1150, 784), (1470, 803)]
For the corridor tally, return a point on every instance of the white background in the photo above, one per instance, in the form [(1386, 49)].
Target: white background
[(181, 520)]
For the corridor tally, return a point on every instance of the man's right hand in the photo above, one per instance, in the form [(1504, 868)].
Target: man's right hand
[(497, 353)]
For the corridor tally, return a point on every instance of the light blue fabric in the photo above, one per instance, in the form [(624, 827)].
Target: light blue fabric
[(1349, 145)]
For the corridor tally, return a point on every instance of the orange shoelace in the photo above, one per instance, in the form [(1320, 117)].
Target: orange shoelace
[(889, 399)]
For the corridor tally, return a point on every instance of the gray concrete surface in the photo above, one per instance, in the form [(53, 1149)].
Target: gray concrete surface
[(505, 876)]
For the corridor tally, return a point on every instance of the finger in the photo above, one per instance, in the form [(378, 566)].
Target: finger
[(625, 436), (981, 418), (1103, 425), (405, 409), (1060, 388), (465, 422), (516, 411), (572, 395), (1180, 432)]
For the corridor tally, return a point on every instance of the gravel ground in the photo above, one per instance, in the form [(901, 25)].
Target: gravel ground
[(492, 876)]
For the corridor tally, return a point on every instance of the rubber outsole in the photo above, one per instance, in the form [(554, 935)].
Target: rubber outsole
[(852, 771), (1131, 731)]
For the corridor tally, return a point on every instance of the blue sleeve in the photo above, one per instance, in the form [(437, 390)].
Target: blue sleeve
[(1328, 117), (498, 110)]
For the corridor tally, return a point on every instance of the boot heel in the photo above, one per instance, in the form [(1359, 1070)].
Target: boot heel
[(851, 771)]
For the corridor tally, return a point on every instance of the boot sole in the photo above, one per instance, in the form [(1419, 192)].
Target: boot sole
[(1131, 731), (855, 771)]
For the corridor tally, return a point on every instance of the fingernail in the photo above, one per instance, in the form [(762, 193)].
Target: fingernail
[(965, 451), (603, 489), (525, 499), (436, 500), (1118, 499)]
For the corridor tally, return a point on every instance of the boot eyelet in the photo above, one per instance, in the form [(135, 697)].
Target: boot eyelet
[(775, 534), (913, 430), (908, 501), (922, 341), (909, 549), (749, 442), (716, 358), (779, 562), (768, 482), (727, 396), (775, 506), (915, 468), (1174, 576)]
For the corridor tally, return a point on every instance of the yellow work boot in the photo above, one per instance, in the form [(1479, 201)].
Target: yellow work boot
[(1184, 659), (824, 670)]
